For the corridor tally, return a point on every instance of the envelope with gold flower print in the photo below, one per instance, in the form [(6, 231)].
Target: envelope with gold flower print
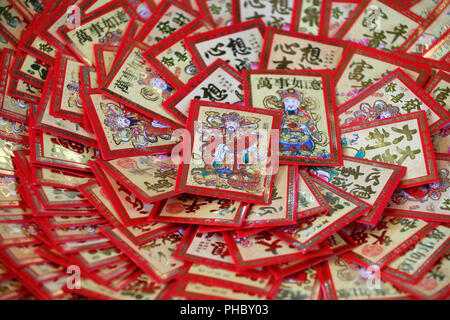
[(392, 95), (312, 230), (149, 178), (9, 195), (134, 82), (21, 253), (123, 132), (169, 17), (7, 148), (14, 130), (77, 233), (171, 58), (230, 153), (263, 249), (281, 210), (205, 247), (308, 133), (361, 67), (402, 140), (155, 257), (382, 243), (18, 233)]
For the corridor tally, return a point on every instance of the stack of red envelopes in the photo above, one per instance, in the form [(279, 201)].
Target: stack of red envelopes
[(224, 149)]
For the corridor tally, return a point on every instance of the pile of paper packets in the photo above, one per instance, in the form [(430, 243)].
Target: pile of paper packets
[(224, 149)]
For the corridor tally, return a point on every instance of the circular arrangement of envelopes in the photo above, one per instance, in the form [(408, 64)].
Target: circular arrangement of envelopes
[(224, 149)]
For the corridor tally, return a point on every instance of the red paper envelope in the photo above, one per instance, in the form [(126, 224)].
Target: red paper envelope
[(308, 132), (338, 243), (274, 14), (143, 91), (167, 18), (309, 199), (413, 264), (290, 50), (161, 269), (12, 108), (380, 25), (361, 67), (215, 171), (194, 209), (199, 291), (171, 58), (205, 248), (433, 286), (239, 45), (150, 178), (113, 20), (264, 249), (387, 240), (392, 95), (312, 230), (402, 140), (282, 209), (217, 83), (342, 280), (123, 132), (371, 181), (429, 201), (231, 279)]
